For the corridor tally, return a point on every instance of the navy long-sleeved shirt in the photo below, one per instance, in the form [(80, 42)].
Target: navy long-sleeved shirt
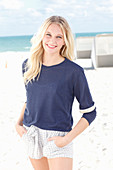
[(50, 98)]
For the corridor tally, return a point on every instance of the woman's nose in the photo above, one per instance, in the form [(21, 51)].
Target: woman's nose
[(53, 40)]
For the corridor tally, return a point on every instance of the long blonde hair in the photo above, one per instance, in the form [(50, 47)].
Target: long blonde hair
[(34, 62)]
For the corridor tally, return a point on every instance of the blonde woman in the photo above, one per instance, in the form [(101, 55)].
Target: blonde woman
[(52, 81)]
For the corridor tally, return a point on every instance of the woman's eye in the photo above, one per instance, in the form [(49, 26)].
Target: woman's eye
[(59, 37), (48, 35)]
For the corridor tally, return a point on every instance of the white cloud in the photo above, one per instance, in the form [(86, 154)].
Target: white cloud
[(85, 13), (71, 14), (34, 12), (111, 1), (72, 8), (11, 4), (101, 8), (49, 10), (88, 2), (1, 19), (63, 2), (105, 8), (78, 13), (111, 9)]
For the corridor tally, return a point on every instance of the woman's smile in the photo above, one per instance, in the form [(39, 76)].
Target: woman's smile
[(51, 46)]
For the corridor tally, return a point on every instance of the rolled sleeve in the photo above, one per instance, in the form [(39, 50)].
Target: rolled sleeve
[(83, 96), (90, 116)]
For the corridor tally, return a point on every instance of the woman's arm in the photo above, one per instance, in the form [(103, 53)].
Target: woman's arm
[(78, 129), (86, 105), (65, 140), (19, 125)]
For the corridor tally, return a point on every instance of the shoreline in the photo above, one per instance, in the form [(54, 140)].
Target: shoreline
[(16, 56)]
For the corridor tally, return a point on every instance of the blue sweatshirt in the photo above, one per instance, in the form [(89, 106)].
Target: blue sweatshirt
[(50, 98)]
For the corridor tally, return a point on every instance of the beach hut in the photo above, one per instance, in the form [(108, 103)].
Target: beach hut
[(84, 47), (104, 50)]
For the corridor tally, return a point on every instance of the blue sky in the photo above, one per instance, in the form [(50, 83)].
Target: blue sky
[(23, 17)]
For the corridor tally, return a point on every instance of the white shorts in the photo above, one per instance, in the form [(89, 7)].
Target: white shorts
[(37, 145)]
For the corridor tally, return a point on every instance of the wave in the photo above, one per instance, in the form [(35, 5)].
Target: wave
[(26, 47)]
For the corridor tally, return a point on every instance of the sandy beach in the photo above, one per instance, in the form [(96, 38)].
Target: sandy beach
[(93, 149)]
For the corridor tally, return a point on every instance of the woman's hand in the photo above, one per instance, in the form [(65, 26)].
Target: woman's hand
[(20, 129), (60, 141)]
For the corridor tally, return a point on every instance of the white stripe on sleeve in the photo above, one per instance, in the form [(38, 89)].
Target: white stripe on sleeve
[(88, 110)]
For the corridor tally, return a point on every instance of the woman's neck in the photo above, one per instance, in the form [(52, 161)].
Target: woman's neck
[(49, 59)]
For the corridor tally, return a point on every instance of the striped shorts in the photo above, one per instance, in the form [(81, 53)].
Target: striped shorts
[(37, 146)]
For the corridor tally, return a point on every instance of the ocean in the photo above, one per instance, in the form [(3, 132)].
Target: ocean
[(22, 43)]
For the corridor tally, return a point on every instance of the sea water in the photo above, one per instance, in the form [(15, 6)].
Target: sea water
[(23, 44)]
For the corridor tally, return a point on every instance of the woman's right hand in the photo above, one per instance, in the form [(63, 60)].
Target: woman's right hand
[(20, 129)]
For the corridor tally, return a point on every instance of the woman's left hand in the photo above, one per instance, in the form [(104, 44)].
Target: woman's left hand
[(60, 141)]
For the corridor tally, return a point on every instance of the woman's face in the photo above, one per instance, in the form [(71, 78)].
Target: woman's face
[(53, 39)]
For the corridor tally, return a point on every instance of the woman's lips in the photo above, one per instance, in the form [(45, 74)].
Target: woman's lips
[(51, 46)]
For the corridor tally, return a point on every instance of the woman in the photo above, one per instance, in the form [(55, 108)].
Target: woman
[(52, 80)]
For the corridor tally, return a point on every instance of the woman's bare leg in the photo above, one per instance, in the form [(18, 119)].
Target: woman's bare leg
[(40, 164), (60, 163)]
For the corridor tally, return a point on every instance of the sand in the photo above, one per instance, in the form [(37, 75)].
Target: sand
[(93, 149)]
